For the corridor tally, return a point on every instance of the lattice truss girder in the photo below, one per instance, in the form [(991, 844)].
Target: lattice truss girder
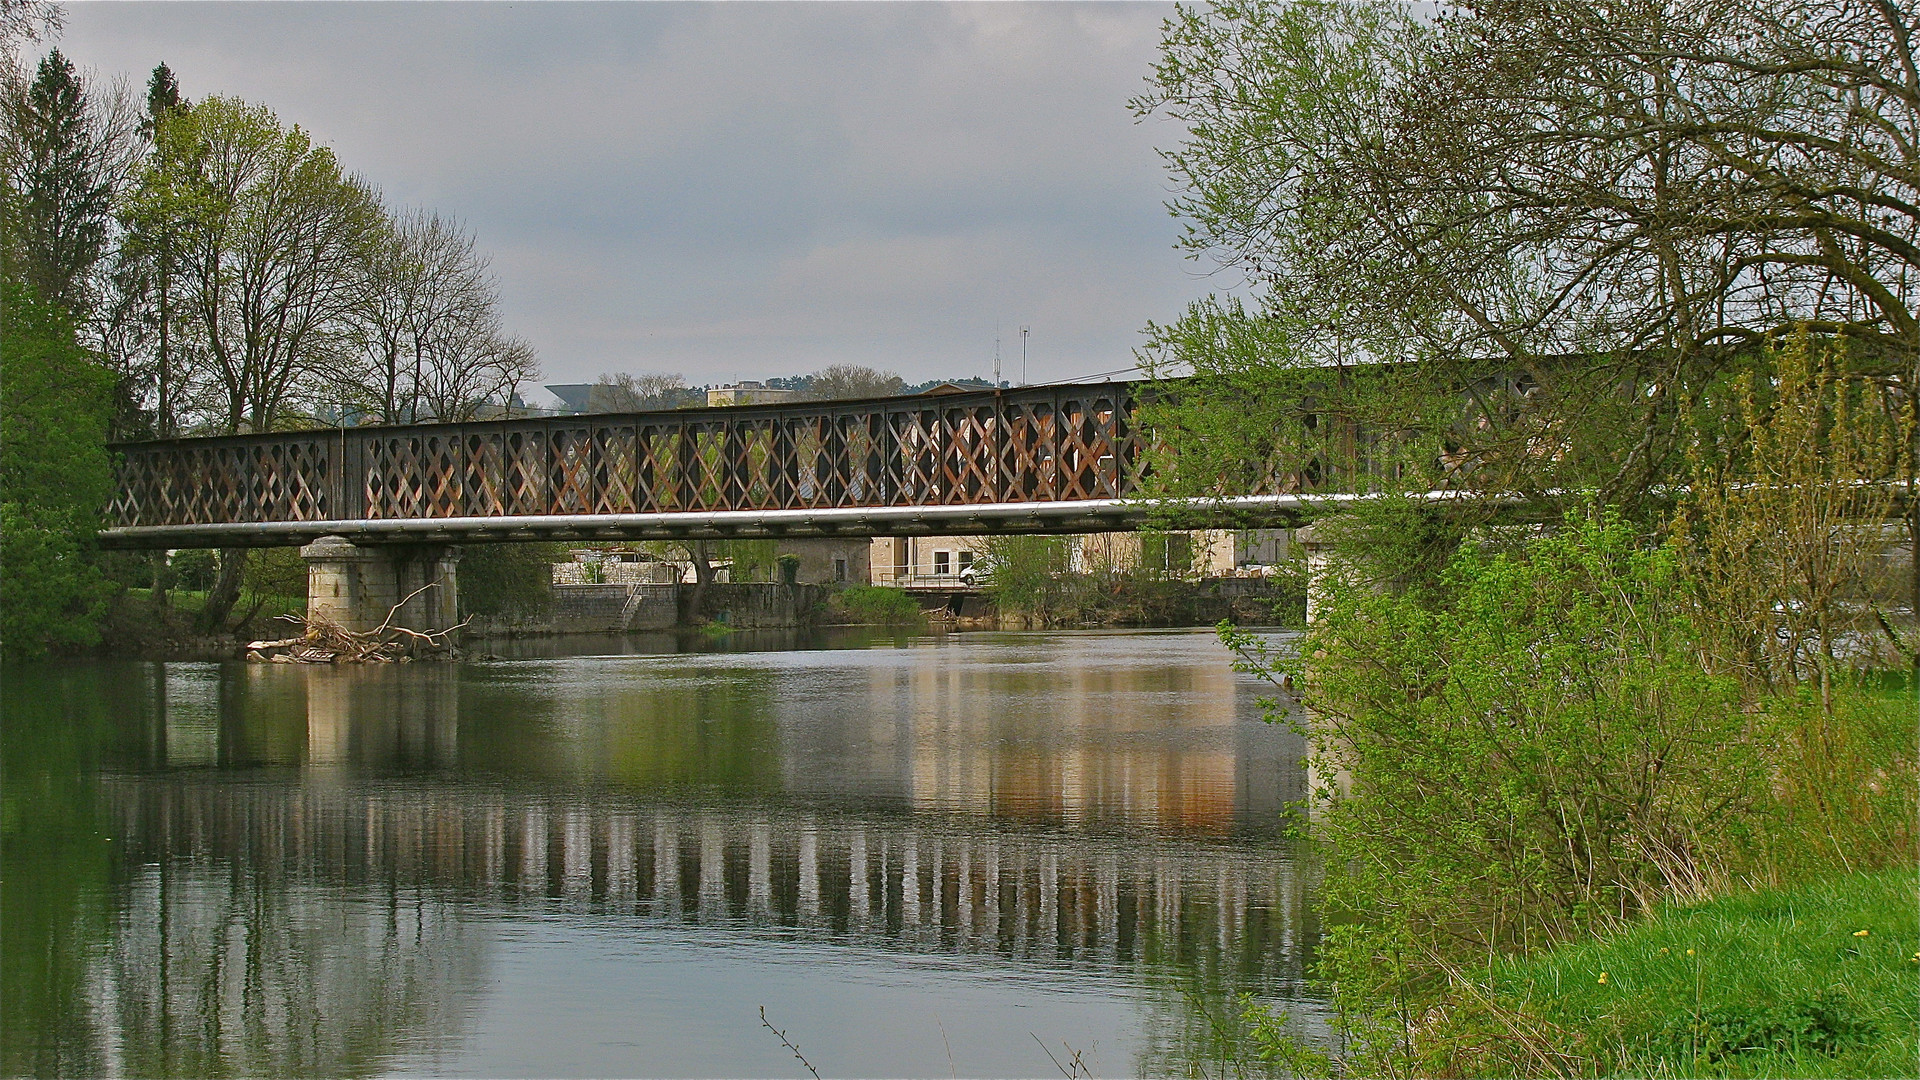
[(1067, 444)]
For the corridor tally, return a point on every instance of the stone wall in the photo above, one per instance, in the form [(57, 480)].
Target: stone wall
[(597, 609), (755, 605)]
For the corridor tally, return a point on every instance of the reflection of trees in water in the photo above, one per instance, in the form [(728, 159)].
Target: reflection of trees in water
[(918, 882), (251, 971)]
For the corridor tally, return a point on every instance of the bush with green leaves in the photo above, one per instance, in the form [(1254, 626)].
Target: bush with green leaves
[(1523, 752), (879, 605), (508, 579), (55, 478)]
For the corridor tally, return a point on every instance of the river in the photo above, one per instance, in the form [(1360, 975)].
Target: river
[(956, 855)]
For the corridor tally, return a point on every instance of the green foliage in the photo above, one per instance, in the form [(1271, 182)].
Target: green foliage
[(51, 598), (878, 605), (194, 568), (1028, 575), (54, 478), (1526, 750), (508, 579), (753, 560), (271, 232), (1845, 778), (276, 572), (1535, 755), (1776, 982), (1783, 525)]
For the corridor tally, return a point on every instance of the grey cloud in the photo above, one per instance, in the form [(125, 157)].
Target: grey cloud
[(737, 190)]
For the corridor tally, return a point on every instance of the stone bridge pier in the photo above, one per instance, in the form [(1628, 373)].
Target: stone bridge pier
[(357, 585)]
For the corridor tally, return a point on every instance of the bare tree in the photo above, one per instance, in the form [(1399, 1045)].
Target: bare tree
[(23, 22), (472, 364), (429, 296), (1606, 203), (627, 392), (842, 381)]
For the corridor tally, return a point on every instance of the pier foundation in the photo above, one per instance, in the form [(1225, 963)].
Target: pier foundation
[(357, 586)]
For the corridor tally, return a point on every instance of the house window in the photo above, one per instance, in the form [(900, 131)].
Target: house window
[(942, 563), (966, 561), (839, 569)]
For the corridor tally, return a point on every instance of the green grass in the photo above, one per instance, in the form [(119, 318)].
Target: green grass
[(190, 601), (880, 606), (1817, 981)]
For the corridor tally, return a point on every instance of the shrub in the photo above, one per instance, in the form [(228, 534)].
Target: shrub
[(881, 606), (1530, 751), (507, 579), (54, 478)]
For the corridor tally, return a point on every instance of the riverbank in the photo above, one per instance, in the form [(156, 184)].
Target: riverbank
[(1821, 980)]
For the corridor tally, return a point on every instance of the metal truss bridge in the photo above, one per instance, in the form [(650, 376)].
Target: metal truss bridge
[(1066, 458)]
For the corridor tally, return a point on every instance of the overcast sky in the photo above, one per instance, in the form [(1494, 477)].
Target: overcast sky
[(737, 190)]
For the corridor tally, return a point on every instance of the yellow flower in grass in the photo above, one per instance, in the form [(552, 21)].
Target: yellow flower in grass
[(1859, 933), (1603, 978), (1689, 952)]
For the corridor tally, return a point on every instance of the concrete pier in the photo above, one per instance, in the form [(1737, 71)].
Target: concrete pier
[(356, 586)]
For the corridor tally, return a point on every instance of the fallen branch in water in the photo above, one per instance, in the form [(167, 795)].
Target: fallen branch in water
[(324, 641)]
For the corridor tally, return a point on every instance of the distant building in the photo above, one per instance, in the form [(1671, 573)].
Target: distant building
[(574, 397), (747, 392), (901, 560), (948, 388)]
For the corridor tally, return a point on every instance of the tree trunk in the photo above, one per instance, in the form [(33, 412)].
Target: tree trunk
[(160, 585), (225, 591), (702, 577)]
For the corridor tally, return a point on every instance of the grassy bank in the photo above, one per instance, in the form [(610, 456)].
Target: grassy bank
[(1817, 981)]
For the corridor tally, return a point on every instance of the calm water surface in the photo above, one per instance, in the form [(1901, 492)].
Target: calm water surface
[(922, 857)]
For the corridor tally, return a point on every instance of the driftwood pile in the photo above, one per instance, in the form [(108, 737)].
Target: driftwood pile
[(323, 641)]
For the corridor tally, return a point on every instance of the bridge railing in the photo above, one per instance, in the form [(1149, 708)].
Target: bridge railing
[(1034, 444)]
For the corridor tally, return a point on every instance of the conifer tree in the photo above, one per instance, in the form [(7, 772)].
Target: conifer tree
[(64, 198)]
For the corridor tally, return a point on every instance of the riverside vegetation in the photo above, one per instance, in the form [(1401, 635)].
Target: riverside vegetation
[(1643, 279)]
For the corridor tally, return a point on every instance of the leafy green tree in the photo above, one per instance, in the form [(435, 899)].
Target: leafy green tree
[(1785, 533), (55, 478), (1028, 575), (274, 235), (163, 97), (1523, 755), (147, 278), (272, 238)]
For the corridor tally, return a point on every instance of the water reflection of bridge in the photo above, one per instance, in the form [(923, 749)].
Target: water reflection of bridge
[(928, 883), (312, 863)]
